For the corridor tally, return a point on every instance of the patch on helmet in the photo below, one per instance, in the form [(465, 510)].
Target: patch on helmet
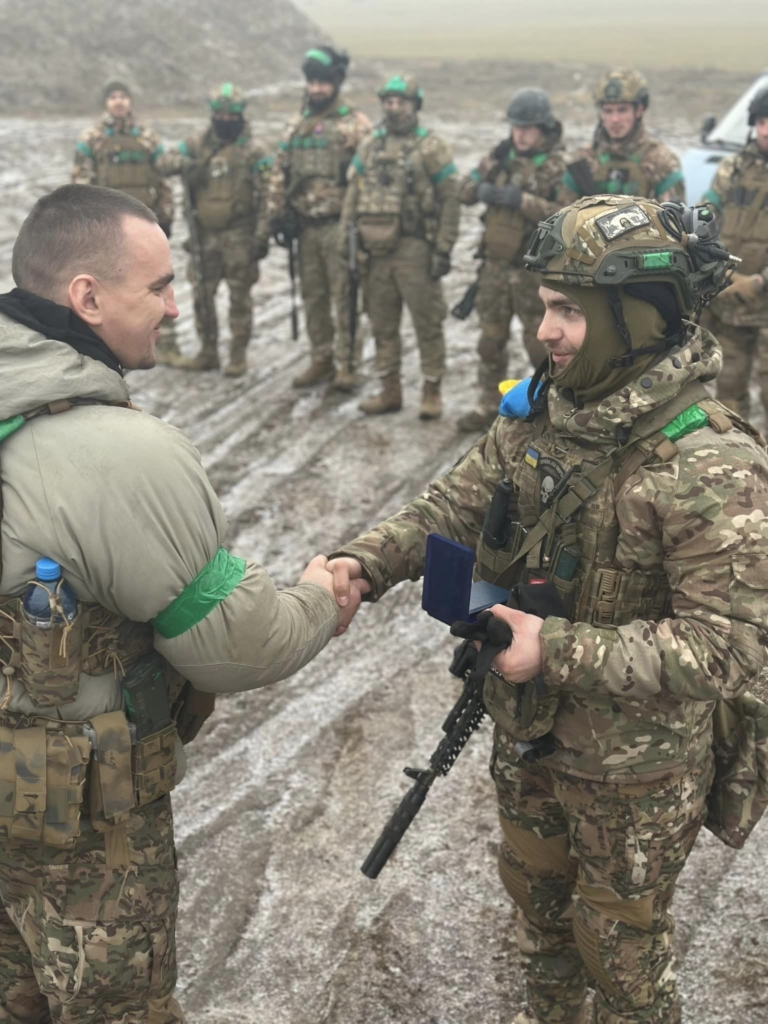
[(619, 222)]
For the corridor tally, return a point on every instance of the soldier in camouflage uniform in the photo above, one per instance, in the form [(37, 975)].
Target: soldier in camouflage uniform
[(623, 159), (642, 500), (227, 172), (403, 199), (118, 153), (739, 316), (519, 182), (306, 193), (88, 880)]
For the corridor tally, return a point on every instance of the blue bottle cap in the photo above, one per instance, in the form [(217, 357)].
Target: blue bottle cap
[(46, 569)]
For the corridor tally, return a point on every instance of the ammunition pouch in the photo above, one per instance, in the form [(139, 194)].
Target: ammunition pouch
[(739, 794), (505, 232), (379, 233), (123, 163)]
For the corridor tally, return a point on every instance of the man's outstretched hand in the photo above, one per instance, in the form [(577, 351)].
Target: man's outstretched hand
[(343, 579)]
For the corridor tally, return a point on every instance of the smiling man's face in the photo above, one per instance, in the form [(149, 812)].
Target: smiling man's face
[(563, 327)]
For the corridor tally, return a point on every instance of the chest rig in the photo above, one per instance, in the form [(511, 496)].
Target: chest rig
[(745, 213), (224, 194), (507, 230), (395, 193), (623, 174), (124, 162), (318, 149), (56, 772), (561, 525)]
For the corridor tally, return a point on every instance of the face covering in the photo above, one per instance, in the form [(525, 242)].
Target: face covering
[(590, 375), (402, 121), (227, 131)]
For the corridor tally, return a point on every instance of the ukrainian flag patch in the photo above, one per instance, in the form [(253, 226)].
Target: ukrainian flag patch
[(532, 457)]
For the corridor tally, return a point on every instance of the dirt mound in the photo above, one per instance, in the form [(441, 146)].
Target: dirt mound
[(57, 56)]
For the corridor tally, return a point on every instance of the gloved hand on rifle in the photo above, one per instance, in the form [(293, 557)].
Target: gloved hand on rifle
[(441, 265), (508, 635), (500, 195), (284, 228)]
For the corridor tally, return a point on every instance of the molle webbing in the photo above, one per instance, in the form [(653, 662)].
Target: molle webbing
[(210, 587)]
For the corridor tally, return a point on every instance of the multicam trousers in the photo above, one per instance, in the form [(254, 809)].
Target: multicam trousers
[(226, 256), (325, 284), (82, 942), (404, 278), (501, 292), (592, 868), (744, 348)]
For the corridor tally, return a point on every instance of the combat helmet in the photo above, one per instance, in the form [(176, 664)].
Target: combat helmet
[(530, 108), (759, 106), (622, 85), (405, 86), (227, 99), (324, 64), (617, 240)]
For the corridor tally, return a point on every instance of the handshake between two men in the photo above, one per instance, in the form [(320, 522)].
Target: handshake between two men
[(345, 579)]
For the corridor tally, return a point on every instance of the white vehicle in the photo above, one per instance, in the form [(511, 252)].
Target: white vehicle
[(718, 139)]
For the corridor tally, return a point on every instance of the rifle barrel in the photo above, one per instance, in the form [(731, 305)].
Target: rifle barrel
[(397, 826)]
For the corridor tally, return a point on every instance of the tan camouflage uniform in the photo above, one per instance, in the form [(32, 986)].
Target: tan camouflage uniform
[(594, 837), (739, 196), (503, 287), (228, 182), (309, 178), (635, 166), (118, 153), (419, 220)]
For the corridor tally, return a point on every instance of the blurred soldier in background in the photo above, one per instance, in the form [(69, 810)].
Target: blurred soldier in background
[(739, 315), (118, 153), (225, 172), (519, 182), (306, 193), (623, 159), (403, 199)]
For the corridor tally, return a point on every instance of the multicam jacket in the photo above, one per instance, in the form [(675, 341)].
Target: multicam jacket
[(739, 197), (672, 575), (228, 180), (310, 171), (117, 153), (539, 175), (636, 166), (408, 183)]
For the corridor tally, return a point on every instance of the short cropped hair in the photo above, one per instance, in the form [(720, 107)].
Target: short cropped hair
[(76, 229)]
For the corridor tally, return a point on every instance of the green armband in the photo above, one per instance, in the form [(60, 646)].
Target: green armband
[(210, 587)]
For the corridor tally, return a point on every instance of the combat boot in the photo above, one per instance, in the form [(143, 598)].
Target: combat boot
[(317, 371), (476, 422), (389, 399), (431, 404), (343, 379), (206, 359), (237, 364)]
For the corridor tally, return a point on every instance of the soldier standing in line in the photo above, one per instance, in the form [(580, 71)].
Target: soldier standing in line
[(403, 199), (118, 153), (519, 182), (640, 500), (623, 159), (739, 315), (306, 192), (226, 171)]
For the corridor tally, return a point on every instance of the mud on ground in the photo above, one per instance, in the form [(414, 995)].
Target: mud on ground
[(288, 787)]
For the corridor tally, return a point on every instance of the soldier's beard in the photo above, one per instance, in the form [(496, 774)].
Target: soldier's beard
[(400, 122), (317, 104)]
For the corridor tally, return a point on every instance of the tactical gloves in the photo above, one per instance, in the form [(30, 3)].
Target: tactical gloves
[(500, 195), (744, 289), (285, 228), (441, 265)]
